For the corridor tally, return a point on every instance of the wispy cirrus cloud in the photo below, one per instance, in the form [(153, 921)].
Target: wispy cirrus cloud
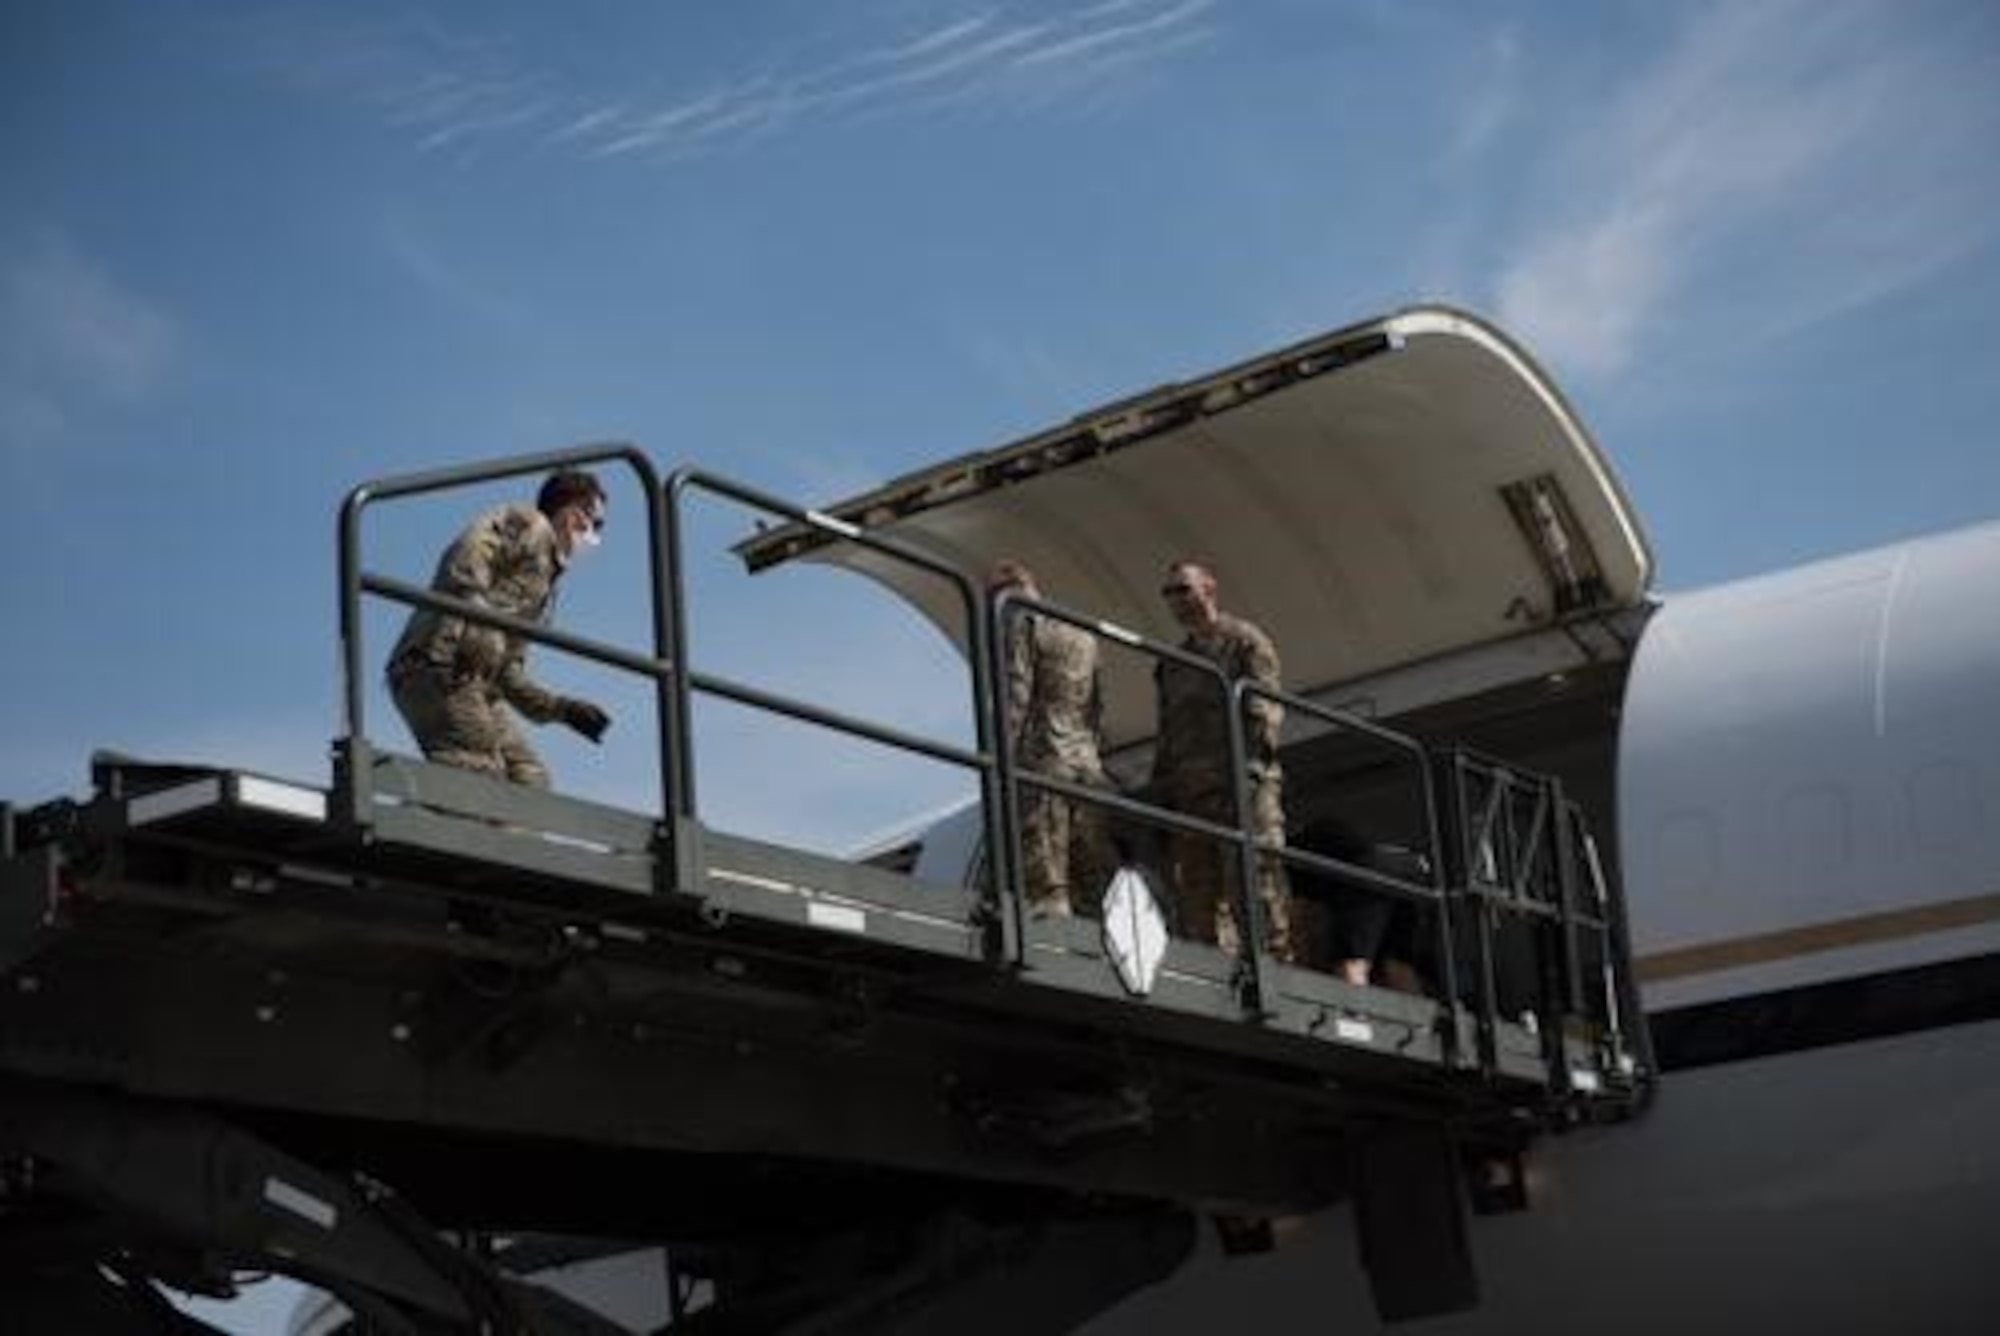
[(73, 338), (454, 94), (1496, 95), (432, 267), (1782, 163)]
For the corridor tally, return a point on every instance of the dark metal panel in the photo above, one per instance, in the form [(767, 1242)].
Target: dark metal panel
[(679, 1075), (451, 789), (845, 900), (522, 852)]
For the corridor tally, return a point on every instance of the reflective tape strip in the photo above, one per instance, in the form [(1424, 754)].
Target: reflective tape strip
[(1353, 1031), (272, 795), (301, 1203), (752, 879), (165, 803), (839, 526), (841, 917)]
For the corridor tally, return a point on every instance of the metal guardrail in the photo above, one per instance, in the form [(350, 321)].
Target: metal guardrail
[(1505, 849), (1248, 850), (675, 680), (352, 754), (1526, 866), (1508, 846), (982, 759), (1005, 608), (1433, 895)]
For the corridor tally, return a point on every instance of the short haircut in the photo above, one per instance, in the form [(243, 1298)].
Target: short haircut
[(1008, 572), (567, 487)]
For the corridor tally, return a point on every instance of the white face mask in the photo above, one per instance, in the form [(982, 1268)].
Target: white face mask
[(588, 534)]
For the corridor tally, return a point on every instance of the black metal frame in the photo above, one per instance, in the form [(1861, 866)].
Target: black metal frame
[(1435, 896), (1258, 967), (1537, 848), (983, 759), (353, 758), (1522, 857), (1008, 605)]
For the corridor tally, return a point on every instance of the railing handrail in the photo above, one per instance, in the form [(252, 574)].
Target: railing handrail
[(1450, 891), (1010, 602), (983, 759), (1234, 695), (354, 581), (1444, 933)]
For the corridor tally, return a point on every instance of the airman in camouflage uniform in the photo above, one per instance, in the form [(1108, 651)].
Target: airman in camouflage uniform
[(1191, 770), (453, 680), (1055, 707)]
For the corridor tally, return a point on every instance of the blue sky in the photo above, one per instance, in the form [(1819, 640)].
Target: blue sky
[(251, 254)]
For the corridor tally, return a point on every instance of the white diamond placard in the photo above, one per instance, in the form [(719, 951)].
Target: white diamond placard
[(1135, 933)]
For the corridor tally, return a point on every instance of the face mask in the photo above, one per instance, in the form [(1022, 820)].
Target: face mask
[(588, 534)]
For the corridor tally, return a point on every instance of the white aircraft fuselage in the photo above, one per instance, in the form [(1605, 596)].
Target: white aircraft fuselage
[(1808, 807)]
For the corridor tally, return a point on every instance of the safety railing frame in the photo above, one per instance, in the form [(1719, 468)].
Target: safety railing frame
[(353, 755), (1256, 965), (1450, 828), (1435, 896), (1002, 935), (1555, 832), (1009, 603)]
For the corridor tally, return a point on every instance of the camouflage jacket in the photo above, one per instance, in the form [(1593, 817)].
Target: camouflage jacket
[(507, 560), (1191, 745), (1055, 700)]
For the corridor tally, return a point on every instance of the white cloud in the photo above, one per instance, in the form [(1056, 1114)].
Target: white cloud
[(1092, 43), (1781, 163), (1495, 98), (461, 96), (72, 339)]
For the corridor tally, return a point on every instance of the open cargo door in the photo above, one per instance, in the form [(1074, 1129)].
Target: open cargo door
[(1395, 491)]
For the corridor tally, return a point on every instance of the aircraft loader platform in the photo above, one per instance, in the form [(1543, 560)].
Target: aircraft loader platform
[(526, 1011)]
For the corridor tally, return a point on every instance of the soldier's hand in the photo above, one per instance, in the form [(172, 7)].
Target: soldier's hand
[(585, 718)]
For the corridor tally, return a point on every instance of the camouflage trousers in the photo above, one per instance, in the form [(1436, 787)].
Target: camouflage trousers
[(465, 724), (1066, 855), (1205, 869)]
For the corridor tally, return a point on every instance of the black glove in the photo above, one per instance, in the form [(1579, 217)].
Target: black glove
[(586, 719)]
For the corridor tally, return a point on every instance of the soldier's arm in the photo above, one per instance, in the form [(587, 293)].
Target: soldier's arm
[(1262, 717), (1019, 688), (535, 701)]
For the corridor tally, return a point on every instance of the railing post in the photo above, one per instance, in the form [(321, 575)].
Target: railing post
[(353, 770), (1000, 793), (1473, 841), (1253, 928), (678, 704), (670, 737), (1565, 866), (1445, 926)]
